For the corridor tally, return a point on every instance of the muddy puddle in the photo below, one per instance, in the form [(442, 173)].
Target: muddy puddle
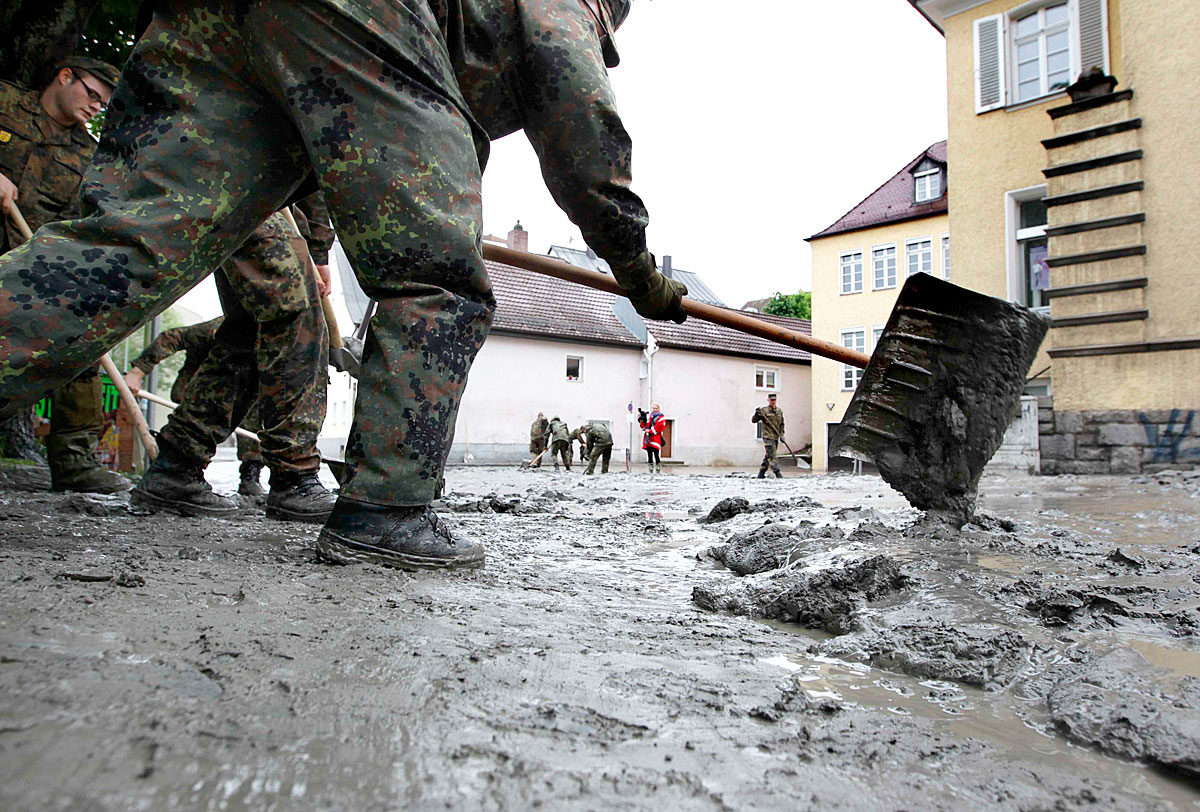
[(805, 649)]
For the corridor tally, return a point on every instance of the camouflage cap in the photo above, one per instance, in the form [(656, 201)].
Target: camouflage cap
[(101, 70)]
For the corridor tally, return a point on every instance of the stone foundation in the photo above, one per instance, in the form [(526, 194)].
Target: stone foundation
[(1117, 442)]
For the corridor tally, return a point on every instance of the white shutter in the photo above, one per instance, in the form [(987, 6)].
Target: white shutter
[(1093, 35), (989, 63)]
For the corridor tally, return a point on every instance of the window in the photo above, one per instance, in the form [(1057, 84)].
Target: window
[(919, 255), (1041, 51), (876, 333), (1037, 49), (852, 272), (1028, 270), (766, 378), (854, 339), (883, 263), (574, 368), (945, 256), (928, 185)]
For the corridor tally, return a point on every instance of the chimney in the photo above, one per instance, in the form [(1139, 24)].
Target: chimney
[(518, 238), (666, 267)]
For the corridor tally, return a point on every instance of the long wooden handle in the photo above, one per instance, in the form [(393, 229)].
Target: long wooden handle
[(335, 334), (733, 319), (241, 432), (106, 361), (131, 405)]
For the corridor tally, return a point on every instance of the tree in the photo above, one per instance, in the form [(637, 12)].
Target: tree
[(39, 35), (797, 305)]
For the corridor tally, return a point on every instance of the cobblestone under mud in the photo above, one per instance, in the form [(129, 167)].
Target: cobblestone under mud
[(213, 664)]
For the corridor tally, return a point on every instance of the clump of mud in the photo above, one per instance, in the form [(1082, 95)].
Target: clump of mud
[(819, 600), (726, 509), (1123, 706), (973, 655), (772, 546)]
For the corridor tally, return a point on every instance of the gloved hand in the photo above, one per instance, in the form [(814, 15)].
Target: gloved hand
[(653, 295)]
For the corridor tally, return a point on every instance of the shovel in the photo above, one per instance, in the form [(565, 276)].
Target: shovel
[(525, 464), (936, 397)]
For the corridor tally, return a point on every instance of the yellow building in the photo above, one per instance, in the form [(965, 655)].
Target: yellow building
[(859, 264)]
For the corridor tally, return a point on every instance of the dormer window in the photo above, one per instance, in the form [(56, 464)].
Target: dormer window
[(927, 181)]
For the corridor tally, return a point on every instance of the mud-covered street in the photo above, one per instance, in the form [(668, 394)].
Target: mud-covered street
[(815, 649)]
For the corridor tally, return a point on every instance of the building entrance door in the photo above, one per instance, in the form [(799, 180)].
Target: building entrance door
[(667, 433)]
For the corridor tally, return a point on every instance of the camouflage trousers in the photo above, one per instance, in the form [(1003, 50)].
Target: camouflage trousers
[(770, 448), (561, 448), (247, 450), (599, 451), (273, 346), (222, 110)]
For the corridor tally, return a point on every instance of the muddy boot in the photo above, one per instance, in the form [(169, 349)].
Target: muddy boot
[(299, 497), (73, 465), (249, 484), (177, 483), (762, 474), (778, 475), (405, 537)]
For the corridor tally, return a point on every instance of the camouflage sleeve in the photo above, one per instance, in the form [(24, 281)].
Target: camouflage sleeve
[(177, 339), (319, 232), (571, 119)]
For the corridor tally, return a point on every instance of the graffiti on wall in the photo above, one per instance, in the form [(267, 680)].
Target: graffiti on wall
[(1176, 441)]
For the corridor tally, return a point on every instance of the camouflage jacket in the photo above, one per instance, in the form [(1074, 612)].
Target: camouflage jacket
[(559, 431), (312, 218), (537, 65), (539, 429), (598, 434), (44, 161), (772, 420)]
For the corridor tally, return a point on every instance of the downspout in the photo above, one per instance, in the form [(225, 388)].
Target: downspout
[(651, 348)]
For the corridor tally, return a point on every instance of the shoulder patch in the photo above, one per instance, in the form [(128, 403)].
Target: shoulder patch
[(5, 136)]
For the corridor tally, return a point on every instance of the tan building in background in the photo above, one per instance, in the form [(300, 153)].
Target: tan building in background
[(859, 264), (1084, 204)]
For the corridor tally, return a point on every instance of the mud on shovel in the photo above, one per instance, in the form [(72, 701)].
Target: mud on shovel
[(936, 397)]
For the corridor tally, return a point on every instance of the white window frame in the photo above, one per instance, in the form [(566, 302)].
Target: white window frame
[(1014, 235), (876, 333), (895, 266), (764, 371), (1012, 43), (996, 35), (908, 252), (851, 376), (568, 360), (931, 177), (847, 277), (945, 255)]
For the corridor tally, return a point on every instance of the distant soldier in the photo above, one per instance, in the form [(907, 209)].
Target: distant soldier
[(772, 419), (560, 442), (196, 341), (539, 430), (599, 444)]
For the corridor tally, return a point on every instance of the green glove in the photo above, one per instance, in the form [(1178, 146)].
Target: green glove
[(653, 295)]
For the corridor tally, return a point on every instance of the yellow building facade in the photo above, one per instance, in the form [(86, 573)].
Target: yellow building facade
[(1075, 192), (859, 264)]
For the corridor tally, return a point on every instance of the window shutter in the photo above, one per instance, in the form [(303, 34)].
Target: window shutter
[(1093, 35), (989, 63)]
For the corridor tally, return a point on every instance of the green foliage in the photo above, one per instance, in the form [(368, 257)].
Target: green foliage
[(109, 36), (797, 305)]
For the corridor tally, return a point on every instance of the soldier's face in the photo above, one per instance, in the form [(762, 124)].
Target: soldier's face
[(83, 98)]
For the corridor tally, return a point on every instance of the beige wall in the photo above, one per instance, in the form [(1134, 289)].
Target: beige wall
[(834, 311)]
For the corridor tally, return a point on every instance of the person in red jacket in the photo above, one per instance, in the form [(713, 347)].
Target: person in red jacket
[(653, 425)]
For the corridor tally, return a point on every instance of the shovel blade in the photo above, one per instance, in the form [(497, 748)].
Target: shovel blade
[(942, 387)]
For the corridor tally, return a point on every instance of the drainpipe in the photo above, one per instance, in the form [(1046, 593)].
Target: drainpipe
[(651, 348)]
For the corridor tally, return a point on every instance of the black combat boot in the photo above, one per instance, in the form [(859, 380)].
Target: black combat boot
[(177, 483), (762, 474), (73, 465), (409, 538), (249, 484), (778, 475), (299, 497)]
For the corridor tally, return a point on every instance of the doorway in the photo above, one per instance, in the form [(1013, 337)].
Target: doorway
[(668, 432)]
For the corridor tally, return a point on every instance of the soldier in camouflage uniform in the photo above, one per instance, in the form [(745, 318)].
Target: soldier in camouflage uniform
[(599, 445), (538, 431), (391, 106), (772, 419), (560, 442), (272, 347), (196, 341), (44, 149)]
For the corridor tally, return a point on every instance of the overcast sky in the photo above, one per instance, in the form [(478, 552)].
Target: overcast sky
[(755, 124)]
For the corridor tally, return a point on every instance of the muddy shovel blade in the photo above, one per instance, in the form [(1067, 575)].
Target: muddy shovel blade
[(941, 389)]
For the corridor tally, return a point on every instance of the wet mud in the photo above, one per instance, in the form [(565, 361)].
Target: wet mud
[(611, 655)]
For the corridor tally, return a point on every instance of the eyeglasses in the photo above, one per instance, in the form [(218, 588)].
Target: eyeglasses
[(93, 96)]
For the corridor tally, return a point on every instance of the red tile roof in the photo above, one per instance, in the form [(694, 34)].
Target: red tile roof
[(548, 308), (893, 201)]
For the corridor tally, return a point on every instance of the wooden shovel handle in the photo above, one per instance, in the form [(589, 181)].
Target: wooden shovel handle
[(335, 334), (733, 319)]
